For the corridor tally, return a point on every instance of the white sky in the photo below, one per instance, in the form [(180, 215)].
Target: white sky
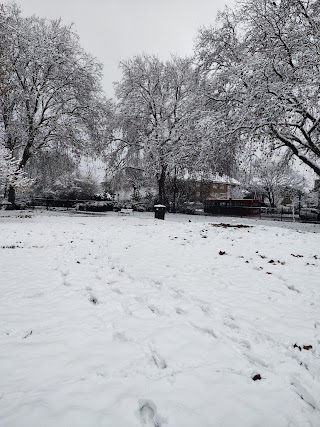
[(115, 30)]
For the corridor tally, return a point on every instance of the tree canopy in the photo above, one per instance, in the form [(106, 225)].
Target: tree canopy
[(262, 61), (157, 112), (49, 89)]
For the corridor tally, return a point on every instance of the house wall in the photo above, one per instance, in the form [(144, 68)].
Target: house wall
[(213, 190), (219, 191)]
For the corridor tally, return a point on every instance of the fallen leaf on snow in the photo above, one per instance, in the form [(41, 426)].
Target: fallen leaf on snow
[(307, 347)]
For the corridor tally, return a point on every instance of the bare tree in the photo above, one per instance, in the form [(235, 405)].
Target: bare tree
[(50, 91), (262, 61), (274, 178), (157, 115)]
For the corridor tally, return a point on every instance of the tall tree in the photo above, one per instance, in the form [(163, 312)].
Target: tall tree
[(263, 62), (50, 88), (157, 114), (273, 177)]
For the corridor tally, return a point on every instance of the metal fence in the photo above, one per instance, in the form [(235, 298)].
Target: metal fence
[(286, 214)]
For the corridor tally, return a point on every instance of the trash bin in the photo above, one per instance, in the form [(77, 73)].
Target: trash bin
[(159, 211)]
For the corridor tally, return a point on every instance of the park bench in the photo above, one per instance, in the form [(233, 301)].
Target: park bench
[(126, 211)]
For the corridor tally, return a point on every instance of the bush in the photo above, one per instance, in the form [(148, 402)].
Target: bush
[(95, 206)]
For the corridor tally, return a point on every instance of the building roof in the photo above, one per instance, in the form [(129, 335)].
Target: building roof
[(214, 178)]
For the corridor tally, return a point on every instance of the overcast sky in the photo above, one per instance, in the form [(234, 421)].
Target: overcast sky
[(115, 30)]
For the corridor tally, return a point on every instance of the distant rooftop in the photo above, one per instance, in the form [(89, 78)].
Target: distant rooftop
[(215, 178)]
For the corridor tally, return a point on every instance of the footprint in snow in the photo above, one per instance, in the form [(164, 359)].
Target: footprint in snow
[(119, 336), (232, 325), (156, 283), (148, 414), (205, 330), (206, 309), (158, 360), (243, 343), (255, 360), (303, 393), (64, 275), (116, 291), (292, 288), (180, 311), (154, 309), (177, 293)]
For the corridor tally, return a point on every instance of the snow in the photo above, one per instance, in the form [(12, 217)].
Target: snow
[(132, 321), (215, 178)]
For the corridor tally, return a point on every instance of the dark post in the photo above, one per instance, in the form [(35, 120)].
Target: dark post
[(174, 190)]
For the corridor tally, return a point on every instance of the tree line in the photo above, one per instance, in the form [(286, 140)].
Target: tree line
[(251, 88)]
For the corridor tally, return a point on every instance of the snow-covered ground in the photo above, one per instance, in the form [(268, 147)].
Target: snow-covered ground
[(131, 321)]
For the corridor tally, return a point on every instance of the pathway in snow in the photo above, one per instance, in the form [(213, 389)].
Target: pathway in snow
[(110, 321)]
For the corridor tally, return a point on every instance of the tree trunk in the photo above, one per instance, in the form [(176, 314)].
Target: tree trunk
[(161, 184), (174, 191), (270, 198), (11, 195), (273, 200)]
